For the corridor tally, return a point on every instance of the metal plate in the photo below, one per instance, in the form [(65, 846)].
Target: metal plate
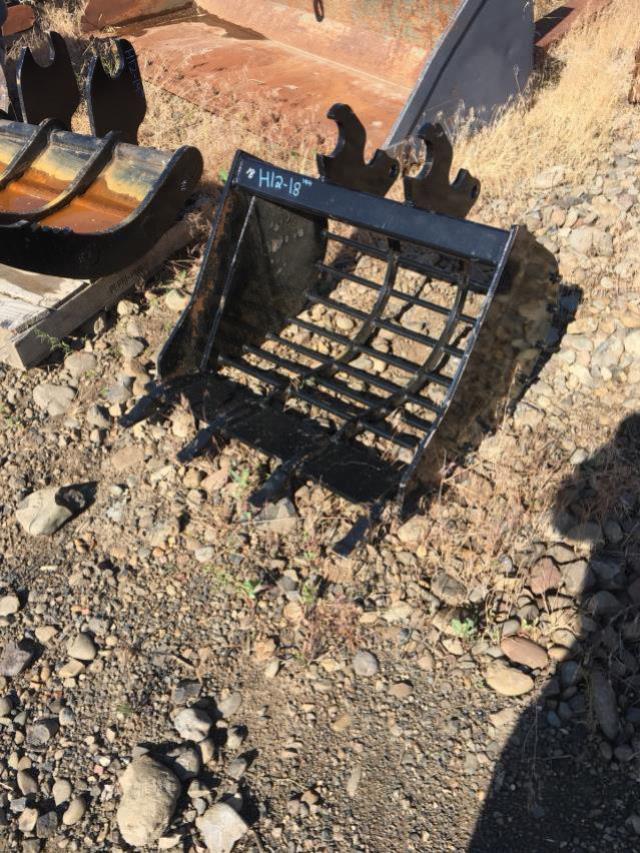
[(483, 60), (116, 101), (51, 90)]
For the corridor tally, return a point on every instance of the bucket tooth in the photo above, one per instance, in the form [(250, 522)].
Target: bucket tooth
[(347, 165), (431, 189), (116, 101), (48, 91)]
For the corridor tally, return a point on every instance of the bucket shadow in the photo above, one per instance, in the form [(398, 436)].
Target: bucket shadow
[(567, 776)]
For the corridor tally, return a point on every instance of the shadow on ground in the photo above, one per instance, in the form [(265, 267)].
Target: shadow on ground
[(568, 777)]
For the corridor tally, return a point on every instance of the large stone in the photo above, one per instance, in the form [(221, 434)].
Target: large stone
[(544, 576), (75, 811), (587, 240), (230, 705), (61, 791), (9, 604), (581, 240), (221, 827), (176, 301), (449, 589), (609, 571), (47, 825), (525, 651), (82, 647), (26, 783), (365, 664), (192, 724), (40, 733), (414, 530), (40, 514), (98, 416), (605, 707), (80, 362), (280, 517), (508, 681), (604, 604), (53, 399), (150, 792), (577, 577), (14, 660)]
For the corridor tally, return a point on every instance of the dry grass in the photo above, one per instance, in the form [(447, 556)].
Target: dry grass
[(571, 118), (172, 121)]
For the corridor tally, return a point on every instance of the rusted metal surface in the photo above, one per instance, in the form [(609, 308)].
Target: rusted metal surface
[(402, 62), (80, 206), (556, 24), (216, 64), (386, 38), (99, 14), (19, 19)]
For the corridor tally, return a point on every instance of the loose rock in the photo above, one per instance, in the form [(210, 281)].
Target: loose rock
[(221, 827), (54, 399), (192, 724), (14, 660), (150, 792), (41, 732), (545, 576), (40, 514), (9, 604), (524, 651), (74, 812), (604, 704), (82, 648), (508, 681), (365, 664), (449, 589)]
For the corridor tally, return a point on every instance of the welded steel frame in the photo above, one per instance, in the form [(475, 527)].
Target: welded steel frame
[(191, 361)]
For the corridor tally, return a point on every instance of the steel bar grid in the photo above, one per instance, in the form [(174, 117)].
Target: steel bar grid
[(340, 323)]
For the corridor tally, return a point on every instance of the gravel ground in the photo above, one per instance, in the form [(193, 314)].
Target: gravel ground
[(468, 682)]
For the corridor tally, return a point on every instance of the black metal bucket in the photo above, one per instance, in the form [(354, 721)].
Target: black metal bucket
[(311, 335)]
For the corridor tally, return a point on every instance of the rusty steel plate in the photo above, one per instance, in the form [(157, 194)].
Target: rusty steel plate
[(292, 58), (19, 19), (99, 14), (557, 23)]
